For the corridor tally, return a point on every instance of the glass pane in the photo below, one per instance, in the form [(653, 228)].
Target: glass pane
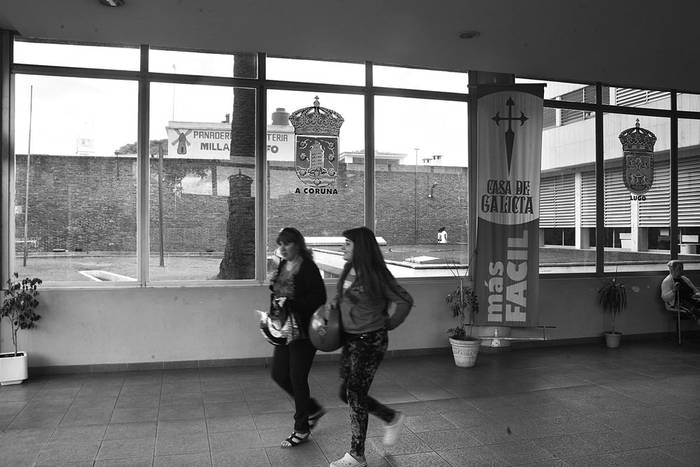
[(645, 98), (80, 56), (200, 63), (689, 192), (202, 184), (414, 78), (320, 203), (568, 92), (637, 221), (79, 221), (687, 101), (315, 71), (567, 197), (421, 185)]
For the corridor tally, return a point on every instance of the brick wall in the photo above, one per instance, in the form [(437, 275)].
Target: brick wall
[(89, 204)]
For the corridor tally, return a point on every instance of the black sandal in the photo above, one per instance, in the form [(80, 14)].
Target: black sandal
[(315, 417), (295, 439)]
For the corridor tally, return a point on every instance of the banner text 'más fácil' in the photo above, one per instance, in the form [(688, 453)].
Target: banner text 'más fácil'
[(513, 304)]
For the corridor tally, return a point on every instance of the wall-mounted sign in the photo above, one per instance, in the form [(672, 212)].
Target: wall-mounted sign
[(199, 140)]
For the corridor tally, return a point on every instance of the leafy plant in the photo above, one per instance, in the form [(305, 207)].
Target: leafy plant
[(612, 295), (463, 303), (19, 303)]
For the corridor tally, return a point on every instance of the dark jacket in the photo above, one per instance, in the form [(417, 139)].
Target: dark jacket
[(309, 292)]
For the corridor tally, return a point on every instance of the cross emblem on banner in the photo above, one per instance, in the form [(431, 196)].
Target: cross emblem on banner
[(510, 134)]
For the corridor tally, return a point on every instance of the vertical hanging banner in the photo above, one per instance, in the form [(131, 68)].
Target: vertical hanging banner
[(509, 145)]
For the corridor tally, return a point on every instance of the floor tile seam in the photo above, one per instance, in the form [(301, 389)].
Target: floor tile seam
[(206, 432)]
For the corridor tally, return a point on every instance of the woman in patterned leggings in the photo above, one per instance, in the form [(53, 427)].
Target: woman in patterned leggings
[(371, 303)]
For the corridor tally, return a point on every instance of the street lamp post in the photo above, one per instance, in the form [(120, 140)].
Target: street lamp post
[(415, 199)]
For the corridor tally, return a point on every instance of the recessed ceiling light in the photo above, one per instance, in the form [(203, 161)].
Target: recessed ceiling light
[(469, 34), (114, 3)]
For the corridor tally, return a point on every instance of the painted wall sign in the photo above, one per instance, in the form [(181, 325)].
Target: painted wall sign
[(637, 159), (316, 136)]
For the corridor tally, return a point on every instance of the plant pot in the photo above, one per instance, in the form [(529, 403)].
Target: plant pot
[(465, 351), (490, 337), (612, 339), (13, 368)]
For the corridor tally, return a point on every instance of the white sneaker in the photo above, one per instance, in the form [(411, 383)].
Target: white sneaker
[(348, 461), (392, 431)]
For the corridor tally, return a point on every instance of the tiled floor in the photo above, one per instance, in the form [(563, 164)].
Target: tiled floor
[(580, 405)]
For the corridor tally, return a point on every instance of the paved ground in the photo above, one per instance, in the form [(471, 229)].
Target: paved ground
[(558, 406), (205, 266)]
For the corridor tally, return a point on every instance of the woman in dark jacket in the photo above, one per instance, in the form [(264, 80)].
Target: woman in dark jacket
[(297, 290)]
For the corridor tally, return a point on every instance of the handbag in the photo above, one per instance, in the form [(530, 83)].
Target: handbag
[(325, 328), (278, 326)]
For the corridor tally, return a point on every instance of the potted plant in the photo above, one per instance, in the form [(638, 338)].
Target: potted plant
[(18, 306), (463, 304), (612, 295)]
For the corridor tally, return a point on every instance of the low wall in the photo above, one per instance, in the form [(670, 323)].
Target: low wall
[(118, 327)]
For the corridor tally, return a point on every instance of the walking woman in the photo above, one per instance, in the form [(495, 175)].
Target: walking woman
[(371, 303), (298, 290)]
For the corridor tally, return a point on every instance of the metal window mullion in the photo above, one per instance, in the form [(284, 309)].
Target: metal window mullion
[(7, 168), (599, 184), (369, 148), (142, 176), (673, 232), (261, 173)]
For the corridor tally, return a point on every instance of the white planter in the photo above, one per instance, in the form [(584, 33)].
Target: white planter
[(465, 352), (13, 369), (612, 339)]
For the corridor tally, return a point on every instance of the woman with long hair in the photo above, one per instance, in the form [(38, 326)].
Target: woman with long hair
[(297, 291), (371, 303)]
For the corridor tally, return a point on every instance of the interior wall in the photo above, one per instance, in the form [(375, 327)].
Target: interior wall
[(126, 325)]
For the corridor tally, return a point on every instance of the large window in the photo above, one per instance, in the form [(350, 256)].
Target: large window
[(90, 205), (421, 184), (315, 184), (315, 71), (78, 222), (636, 223), (202, 184), (204, 64), (567, 180), (414, 78), (75, 55), (689, 191)]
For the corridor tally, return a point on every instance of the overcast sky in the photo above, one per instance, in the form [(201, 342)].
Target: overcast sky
[(67, 109)]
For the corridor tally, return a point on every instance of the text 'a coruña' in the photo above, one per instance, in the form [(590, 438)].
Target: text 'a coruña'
[(317, 191)]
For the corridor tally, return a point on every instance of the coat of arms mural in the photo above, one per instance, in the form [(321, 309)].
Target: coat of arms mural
[(638, 158), (316, 132)]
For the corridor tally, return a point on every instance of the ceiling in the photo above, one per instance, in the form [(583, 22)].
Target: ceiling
[(635, 44)]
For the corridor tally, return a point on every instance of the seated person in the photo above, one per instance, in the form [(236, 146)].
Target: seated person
[(676, 284)]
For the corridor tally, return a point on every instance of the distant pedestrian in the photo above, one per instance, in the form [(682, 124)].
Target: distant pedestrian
[(371, 303), (442, 235)]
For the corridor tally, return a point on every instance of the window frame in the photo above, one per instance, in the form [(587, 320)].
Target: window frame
[(261, 84)]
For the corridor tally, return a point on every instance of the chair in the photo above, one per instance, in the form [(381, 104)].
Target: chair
[(681, 313)]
